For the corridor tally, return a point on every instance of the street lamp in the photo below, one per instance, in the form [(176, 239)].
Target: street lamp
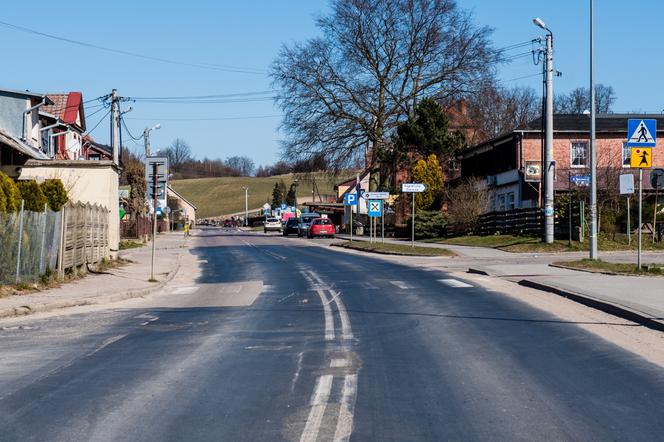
[(593, 153), (548, 147), (146, 138), (296, 182)]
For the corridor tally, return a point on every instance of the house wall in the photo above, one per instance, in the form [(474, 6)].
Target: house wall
[(609, 149), (94, 182), (11, 113)]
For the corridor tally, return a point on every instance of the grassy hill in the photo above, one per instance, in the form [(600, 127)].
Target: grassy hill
[(220, 196)]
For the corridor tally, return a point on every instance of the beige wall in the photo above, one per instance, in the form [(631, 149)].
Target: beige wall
[(94, 182), (190, 212)]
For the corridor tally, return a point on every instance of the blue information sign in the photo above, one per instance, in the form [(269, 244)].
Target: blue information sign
[(350, 199), (375, 208), (641, 133)]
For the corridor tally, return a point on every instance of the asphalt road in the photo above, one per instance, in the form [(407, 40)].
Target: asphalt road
[(279, 340)]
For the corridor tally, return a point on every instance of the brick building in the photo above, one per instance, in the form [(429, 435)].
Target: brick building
[(511, 162)]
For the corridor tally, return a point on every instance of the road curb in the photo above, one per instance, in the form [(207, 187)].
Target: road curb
[(476, 271), (26, 310), (382, 252), (599, 304)]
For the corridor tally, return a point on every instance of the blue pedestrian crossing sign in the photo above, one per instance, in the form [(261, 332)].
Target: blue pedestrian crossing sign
[(350, 199), (641, 133), (375, 208)]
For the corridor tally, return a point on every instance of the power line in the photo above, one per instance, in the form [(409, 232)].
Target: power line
[(122, 120), (98, 123), (211, 101), (205, 119), (210, 66), (201, 97)]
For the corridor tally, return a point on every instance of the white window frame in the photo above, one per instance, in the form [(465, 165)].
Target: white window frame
[(625, 149), (571, 154), (510, 201)]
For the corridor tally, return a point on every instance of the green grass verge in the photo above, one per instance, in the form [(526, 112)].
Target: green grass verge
[(129, 244), (394, 249), (612, 267), (529, 244), (222, 196)]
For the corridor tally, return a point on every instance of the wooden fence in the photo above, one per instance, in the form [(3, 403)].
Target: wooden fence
[(84, 235), (514, 222), (136, 228)]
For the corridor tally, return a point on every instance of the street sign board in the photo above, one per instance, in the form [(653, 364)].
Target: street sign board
[(580, 180), (626, 184), (161, 179), (657, 178), (641, 133), (375, 208), (376, 195), (413, 187), (350, 199), (533, 172), (641, 157)]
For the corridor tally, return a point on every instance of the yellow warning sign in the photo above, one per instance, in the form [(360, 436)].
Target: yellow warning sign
[(641, 157)]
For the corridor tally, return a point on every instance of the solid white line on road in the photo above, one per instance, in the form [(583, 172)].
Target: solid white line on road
[(454, 283), (106, 343), (318, 404), (346, 330), (184, 290), (402, 285), (329, 320), (347, 409), (275, 256)]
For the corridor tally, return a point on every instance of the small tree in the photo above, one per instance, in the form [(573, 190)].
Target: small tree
[(277, 196), (55, 193), (10, 193), (429, 173), (32, 195), (291, 195), (135, 174), (465, 203)]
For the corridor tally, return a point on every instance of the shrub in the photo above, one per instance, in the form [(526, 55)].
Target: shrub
[(465, 203), (32, 195), (429, 224), (10, 193), (55, 193)]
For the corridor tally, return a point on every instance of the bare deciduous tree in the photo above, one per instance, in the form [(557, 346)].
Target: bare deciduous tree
[(465, 203), (178, 153), (375, 60), (578, 100)]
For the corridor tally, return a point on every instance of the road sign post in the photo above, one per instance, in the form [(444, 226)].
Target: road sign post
[(157, 175), (350, 200), (413, 188), (627, 188), (641, 138), (374, 210)]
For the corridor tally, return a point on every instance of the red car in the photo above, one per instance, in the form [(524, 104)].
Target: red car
[(321, 227)]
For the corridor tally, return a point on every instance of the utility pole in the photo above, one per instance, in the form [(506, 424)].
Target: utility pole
[(146, 142), (593, 154), (114, 125), (548, 146), (246, 206), (155, 170)]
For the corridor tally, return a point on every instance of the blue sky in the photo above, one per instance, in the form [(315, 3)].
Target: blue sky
[(250, 33)]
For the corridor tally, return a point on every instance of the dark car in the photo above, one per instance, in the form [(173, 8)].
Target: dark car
[(304, 222), (290, 226)]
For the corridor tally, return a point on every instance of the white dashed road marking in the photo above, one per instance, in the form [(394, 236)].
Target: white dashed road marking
[(402, 285), (318, 404), (454, 283)]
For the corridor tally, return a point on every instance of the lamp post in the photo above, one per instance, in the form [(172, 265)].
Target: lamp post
[(548, 147), (146, 137), (296, 182), (593, 153), (246, 205)]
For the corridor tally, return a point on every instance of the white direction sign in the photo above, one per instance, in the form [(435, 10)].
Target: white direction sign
[(376, 195), (626, 184), (413, 187)]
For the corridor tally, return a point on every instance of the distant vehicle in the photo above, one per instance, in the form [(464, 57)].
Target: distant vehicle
[(272, 225), (229, 223), (290, 226), (321, 227), (304, 222)]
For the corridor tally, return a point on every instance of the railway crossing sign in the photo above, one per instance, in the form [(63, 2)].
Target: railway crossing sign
[(375, 208), (641, 133), (641, 157)]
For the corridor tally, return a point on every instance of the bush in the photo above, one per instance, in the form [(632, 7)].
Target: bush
[(10, 194), (32, 195), (429, 224), (55, 193)]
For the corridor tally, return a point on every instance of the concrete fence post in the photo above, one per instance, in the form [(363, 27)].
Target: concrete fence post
[(20, 243), (63, 242), (43, 239)]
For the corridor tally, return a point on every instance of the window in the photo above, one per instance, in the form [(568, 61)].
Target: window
[(510, 201), (626, 154), (501, 202), (579, 154)]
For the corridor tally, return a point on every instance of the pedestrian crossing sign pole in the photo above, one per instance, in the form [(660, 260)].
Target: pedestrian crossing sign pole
[(641, 138)]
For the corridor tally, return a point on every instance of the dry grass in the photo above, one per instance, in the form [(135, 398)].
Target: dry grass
[(394, 249)]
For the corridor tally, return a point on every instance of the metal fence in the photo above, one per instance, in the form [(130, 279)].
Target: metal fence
[(29, 245)]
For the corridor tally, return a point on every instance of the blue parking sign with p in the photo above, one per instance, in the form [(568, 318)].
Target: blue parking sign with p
[(350, 199)]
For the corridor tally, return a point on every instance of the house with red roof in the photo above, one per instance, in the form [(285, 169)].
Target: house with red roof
[(64, 122)]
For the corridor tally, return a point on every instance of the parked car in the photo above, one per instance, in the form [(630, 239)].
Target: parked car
[(290, 226), (272, 225), (305, 221), (321, 227)]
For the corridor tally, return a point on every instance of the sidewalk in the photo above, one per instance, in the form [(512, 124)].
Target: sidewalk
[(128, 281), (638, 298)]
